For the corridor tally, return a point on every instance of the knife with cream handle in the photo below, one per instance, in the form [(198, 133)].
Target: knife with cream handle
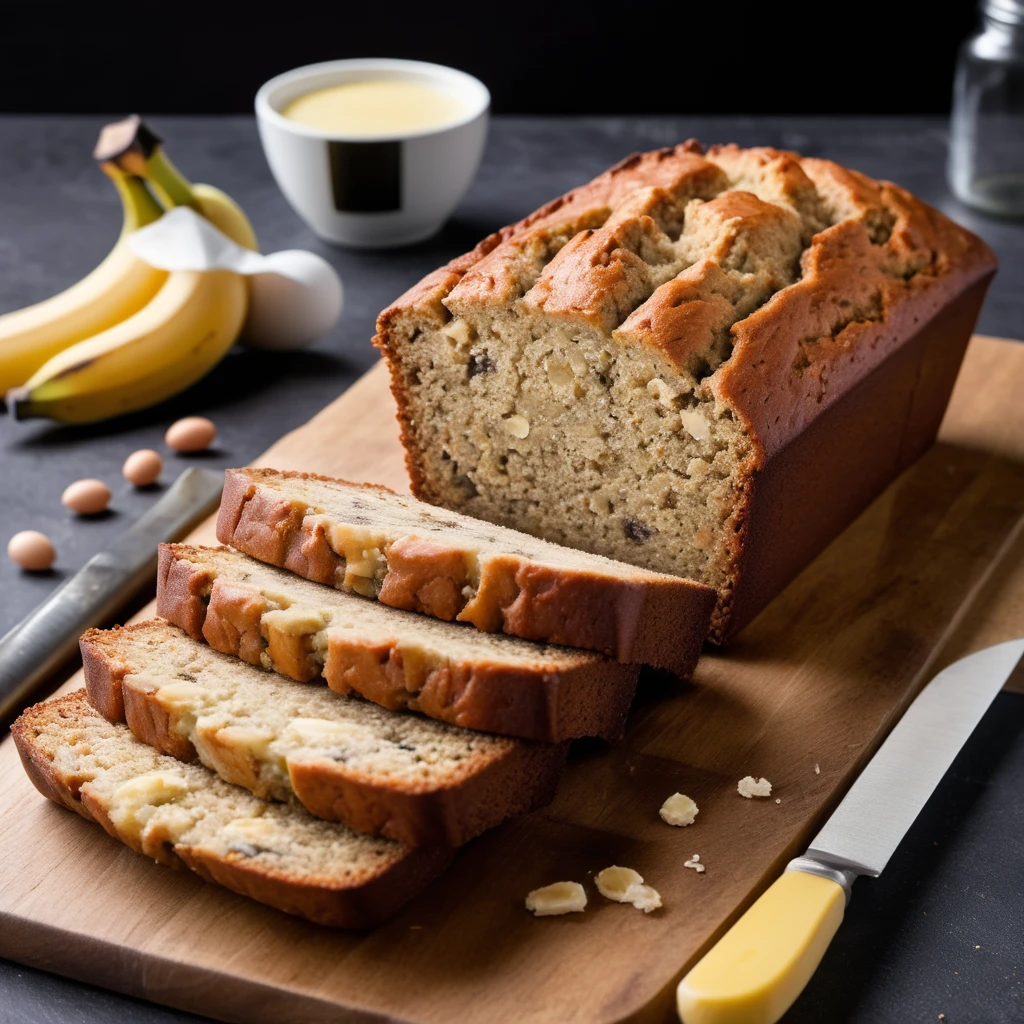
[(756, 970)]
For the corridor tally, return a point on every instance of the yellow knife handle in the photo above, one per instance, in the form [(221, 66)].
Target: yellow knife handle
[(756, 970)]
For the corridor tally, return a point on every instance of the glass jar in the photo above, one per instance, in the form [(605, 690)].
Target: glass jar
[(986, 147)]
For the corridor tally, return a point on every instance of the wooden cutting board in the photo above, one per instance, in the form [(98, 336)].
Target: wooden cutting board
[(933, 570)]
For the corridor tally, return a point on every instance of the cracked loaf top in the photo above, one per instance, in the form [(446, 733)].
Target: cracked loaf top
[(767, 282)]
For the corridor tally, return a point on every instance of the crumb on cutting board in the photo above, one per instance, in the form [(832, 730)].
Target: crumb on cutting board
[(750, 787), (557, 898), (643, 897), (624, 885), (679, 810)]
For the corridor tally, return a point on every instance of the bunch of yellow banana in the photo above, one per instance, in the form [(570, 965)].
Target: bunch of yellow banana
[(127, 335)]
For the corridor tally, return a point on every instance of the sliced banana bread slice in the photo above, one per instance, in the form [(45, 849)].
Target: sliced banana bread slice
[(397, 775), (397, 659), (407, 554), (183, 815)]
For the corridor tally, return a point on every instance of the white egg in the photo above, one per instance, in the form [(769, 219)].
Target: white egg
[(297, 299)]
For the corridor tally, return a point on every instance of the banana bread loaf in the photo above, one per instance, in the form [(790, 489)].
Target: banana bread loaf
[(368, 540), (703, 362), (397, 659), (183, 815), (396, 775)]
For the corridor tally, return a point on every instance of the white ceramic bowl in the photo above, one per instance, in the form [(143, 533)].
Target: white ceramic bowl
[(373, 191)]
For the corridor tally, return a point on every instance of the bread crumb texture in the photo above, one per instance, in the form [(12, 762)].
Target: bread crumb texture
[(695, 864), (624, 885), (557, 898), (608, 373), (750, 787), (679, 810)]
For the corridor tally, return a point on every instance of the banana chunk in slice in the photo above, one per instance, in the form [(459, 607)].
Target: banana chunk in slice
[(557, 898), (624, 885)]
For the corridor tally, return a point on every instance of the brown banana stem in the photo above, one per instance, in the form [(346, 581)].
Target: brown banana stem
[(128, 143)]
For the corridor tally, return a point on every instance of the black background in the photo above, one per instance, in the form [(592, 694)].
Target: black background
[(739, 57)]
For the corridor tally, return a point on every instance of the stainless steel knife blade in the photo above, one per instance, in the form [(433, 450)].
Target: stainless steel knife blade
[(880, 807), (48, 635)]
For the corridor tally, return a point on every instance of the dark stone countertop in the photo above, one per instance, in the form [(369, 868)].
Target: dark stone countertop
[(940, 931)]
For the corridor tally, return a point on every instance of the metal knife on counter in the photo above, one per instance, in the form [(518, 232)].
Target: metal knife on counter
[(757, 969), (47, 636)]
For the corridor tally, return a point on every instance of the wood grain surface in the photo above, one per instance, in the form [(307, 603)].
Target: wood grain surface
[(931, 571)]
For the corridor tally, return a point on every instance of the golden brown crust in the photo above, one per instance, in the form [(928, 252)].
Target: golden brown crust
[(107, 700), (523, 781), (148, 720), (269, 527), (366, 900), (232, 624), (628, 614), (802, 350), (424, 576), (904, 398), (181, 588), (858, 297), (540, 602), (672, 168), (362, 906), (497, 277), (684, 315), (485, 791), (549, 704)]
